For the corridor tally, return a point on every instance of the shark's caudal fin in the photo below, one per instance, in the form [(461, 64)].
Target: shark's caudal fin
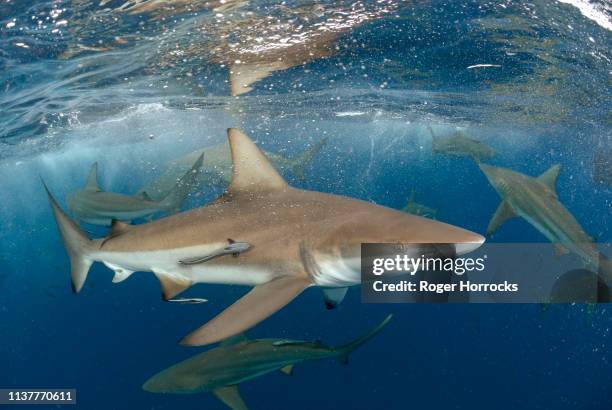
[(174, 200), (78, 245), (347, 349), (299, 163)]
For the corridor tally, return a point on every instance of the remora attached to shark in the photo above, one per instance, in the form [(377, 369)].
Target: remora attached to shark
[(95, 206), (297, 239), (536, 200), (217, 169), (238, 359)]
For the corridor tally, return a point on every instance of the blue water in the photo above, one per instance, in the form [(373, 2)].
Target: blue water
[(131, 101)]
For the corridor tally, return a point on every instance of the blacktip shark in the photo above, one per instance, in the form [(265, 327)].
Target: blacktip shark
[(536, 200), (238, 359), (95, 206), (460, 144), (217, 168), (297, 239), (413, 207)]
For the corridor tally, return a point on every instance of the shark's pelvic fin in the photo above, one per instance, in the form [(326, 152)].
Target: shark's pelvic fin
[(92, 179), (230, 396), (172, 285), (252, 171), (288, 370), (333, 297), (503, 213), (121, 275), (261, 302), (78, 245), (550, 176)]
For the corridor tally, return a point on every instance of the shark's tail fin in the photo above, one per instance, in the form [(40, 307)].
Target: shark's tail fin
[(345, 350), (299, 163), (78, 245), (174, 200)]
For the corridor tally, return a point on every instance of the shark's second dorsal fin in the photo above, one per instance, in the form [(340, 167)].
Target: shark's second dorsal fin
[(251, 169), (92, 179), (550, 176), (234, 340)]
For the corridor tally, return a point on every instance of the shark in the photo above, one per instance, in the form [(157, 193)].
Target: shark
[(217, 169), (460, 144), (536, 201), (95, 206), (413, 207), (239, 359), (297, 239)]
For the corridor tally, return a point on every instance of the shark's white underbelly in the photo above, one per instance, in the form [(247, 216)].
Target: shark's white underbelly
[(338, 272), (167, 262)]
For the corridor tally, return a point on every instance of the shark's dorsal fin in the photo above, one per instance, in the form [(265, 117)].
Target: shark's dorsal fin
[(251, 169), (503, 213), (92, 179), (234, 340), (550, 176), (230, 396)]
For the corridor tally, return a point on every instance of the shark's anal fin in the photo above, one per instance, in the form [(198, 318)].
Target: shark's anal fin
[(261, 302), (288, 370), (230, 396), (550, 176), (172, 285), (503, 213), (333, 297)]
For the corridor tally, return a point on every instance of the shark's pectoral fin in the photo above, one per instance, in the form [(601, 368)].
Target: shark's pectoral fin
[(333, 297), (261, 302), (172, 285), (288, 370), (550, 176), (503, 213), (560, 250), (230, 396)]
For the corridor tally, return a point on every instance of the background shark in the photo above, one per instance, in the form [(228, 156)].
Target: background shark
[(536, 200), (95, 206), (217, 168), (460, 144), (297, 239), (238, 359)]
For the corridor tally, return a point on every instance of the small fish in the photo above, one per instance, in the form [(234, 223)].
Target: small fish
[(233, 248), (188, 301)]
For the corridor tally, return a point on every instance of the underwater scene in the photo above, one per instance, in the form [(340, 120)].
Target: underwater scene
[(189, 188)]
